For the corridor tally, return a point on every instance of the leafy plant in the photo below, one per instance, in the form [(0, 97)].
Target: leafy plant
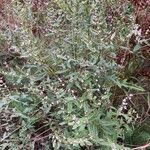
[(57, 76)]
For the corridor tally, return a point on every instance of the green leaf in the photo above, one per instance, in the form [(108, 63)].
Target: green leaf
[(136, 48)]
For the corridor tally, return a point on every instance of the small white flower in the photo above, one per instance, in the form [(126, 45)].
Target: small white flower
[(1, 81)]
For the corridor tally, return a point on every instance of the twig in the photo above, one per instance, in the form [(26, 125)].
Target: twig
[(10, 134), (46, 136), (141, 147), (41, 134)]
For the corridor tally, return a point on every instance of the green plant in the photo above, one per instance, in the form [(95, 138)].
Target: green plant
[(57, 76)]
